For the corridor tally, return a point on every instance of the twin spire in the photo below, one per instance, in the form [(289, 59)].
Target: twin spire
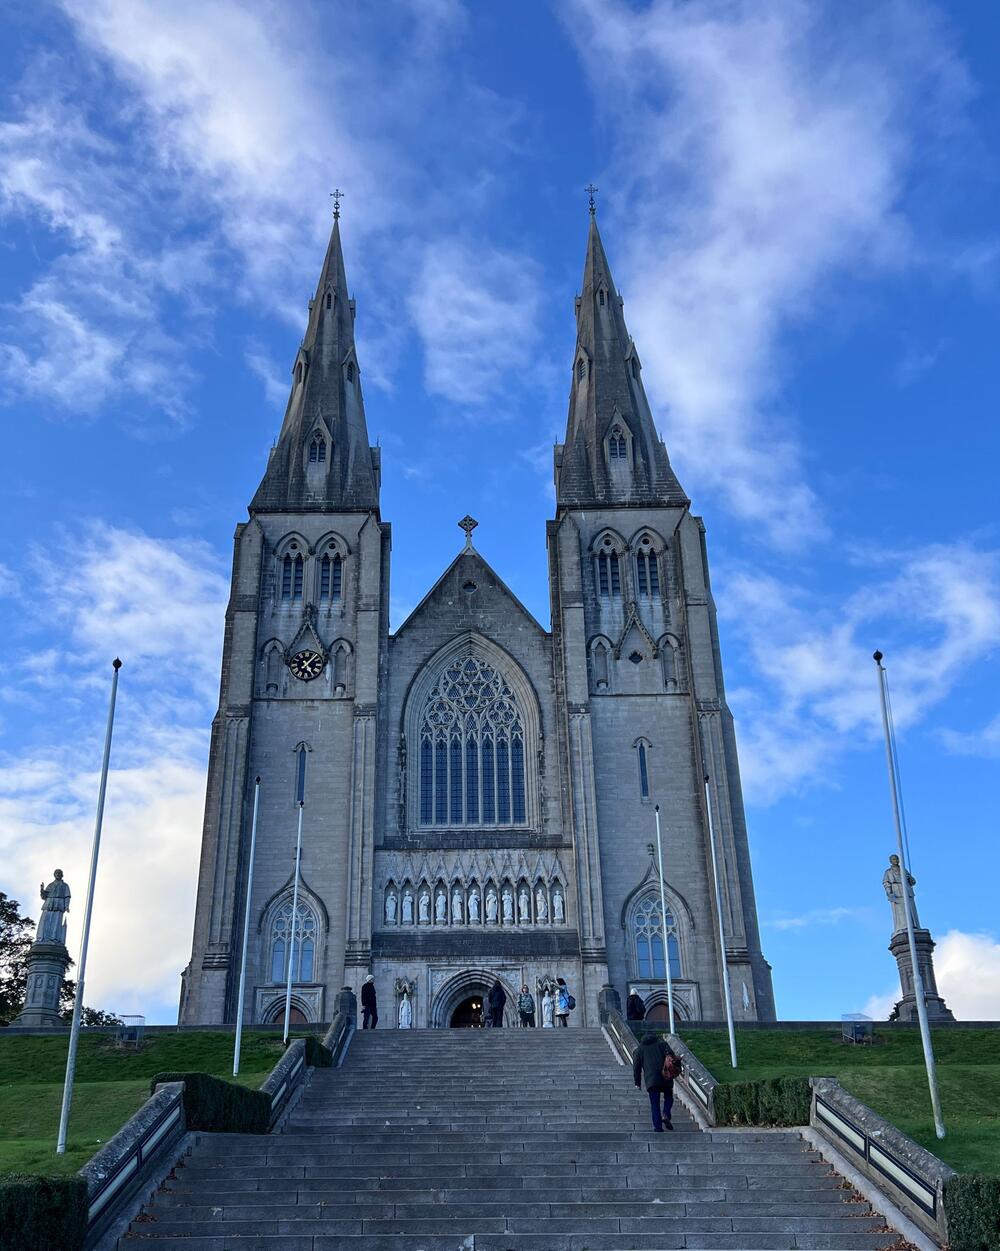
[(612, 455)]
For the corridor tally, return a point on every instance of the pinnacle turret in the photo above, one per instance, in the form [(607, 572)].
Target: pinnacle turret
[(322, 459), (612, 454)]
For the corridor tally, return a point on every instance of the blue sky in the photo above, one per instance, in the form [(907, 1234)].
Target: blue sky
[(798, 201)]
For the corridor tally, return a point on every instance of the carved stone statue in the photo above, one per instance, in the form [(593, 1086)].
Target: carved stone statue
[(390, 908), (508, 906), (407, 907), (474, 906), (441, 908), (424, 906), (892, 880), (524, 906), (456, 907), (548, 1006), (405, 1012), (558, 913), (491, 906), (52, 922), (541, 905)]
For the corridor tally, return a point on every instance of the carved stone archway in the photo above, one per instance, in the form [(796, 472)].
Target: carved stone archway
[(474, 982)]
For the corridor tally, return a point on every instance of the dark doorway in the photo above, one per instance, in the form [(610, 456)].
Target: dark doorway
[(659, 1013), (468, 1014), (295, 1016)]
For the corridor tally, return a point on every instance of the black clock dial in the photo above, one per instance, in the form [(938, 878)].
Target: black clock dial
[(306, 665)]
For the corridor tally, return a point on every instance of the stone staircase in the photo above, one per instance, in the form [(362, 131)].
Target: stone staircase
[(489, 1140)]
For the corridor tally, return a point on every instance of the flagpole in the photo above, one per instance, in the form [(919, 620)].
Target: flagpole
[(246, 932), (663, 916), (895, 792), (295, 910), (74, 1031), (727, 991)]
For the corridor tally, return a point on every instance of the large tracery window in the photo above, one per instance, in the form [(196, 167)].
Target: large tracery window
[(472, 749), (305, 943), (647, 939)]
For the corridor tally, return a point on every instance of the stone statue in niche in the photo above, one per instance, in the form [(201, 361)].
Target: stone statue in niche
[(407, 907), (508, 906), (441, 908), (491, 906), (892, 880), (391, 904), (548, 1007), (405, 1012), (541, 904), (558, 912), (474, 906), (456, 907), (55, 904), (424, 906), (524, 906)]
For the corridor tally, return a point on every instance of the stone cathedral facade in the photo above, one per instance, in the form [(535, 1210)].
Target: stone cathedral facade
[(478, 790)]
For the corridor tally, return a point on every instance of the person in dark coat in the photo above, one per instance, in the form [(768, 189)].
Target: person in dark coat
[(369, 1005), (497, 998), (635, 1008), (648, 1063)]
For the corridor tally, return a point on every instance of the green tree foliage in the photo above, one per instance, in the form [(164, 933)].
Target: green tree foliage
[(16, 936)]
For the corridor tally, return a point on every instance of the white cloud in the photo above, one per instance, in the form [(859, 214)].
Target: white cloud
[(934, 611), (276, 388), (879, 1007), (984, 742), (818, 916), (476, 311), (762, 151), (967, 967)]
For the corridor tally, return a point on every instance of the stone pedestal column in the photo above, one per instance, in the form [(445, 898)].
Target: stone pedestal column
[(47, 965), (608, 1001), (906, 1009)]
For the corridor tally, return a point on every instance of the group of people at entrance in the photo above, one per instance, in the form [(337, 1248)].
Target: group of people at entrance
[(557, 1004)]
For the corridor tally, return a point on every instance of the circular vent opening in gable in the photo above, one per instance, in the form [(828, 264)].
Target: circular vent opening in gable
[(468, 587)]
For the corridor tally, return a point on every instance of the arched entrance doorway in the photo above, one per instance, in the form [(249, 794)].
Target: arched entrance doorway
[(659, 1014), (455, 998), (295, 1017), (468, 1014)]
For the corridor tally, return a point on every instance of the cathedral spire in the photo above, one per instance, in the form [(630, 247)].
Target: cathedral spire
[(322, 460), (612, 454)]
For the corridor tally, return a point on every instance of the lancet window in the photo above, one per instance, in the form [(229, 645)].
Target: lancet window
[(617, 447), (643, 754), (647, 940), (647, 569), (305, 943), (609, 577), (331, 577), (317, 450), (292, 576), (472, 756)]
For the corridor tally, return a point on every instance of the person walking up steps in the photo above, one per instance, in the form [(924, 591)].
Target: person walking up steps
[(657, 1063), (565, 1003), (369, 1004)]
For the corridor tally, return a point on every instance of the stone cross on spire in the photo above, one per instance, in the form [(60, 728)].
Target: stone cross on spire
[(591, 190), (468, 524), (336, 195)]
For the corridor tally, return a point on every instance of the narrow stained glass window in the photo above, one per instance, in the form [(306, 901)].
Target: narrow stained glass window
[(472, 780), (441, 783), (488, 805), (517, 779), (643, 772), (503, 783), (456, 780), (426, 782)]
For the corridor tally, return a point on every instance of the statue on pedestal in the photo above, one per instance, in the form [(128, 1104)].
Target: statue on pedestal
[(390, 908), (441, 908), (474, 906), (55, 904), (508, 906), (425, 907), (557, 906), (899, 944), (892, 880), (407, 907), (491, 906), (524, 906), (404, 1013), (456, 907), (48, 958)]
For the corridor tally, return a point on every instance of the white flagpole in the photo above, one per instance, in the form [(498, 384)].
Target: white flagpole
[(74, 1032), (295, 910), (727, 991), (663, 916), (918, 981), (246, 933)]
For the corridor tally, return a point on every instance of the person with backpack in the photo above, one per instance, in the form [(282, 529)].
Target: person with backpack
[(526, 1008), (654, 1061), (565, 1003), (369, 1004)]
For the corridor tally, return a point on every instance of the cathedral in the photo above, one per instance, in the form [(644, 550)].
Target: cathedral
[(476, 791)]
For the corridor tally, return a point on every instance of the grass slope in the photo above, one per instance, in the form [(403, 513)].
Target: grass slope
[(110, 1085), (888, 1076)]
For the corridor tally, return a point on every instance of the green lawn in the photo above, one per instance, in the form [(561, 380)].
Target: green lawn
[(110, 1085), (888, 1076)]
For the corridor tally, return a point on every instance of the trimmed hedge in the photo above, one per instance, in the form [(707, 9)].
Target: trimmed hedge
[(972, 1208), (769, 1101), (40, 1213), (220, 1107), (317, 1056)]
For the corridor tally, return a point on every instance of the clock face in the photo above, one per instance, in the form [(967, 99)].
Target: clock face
[(306, 665)]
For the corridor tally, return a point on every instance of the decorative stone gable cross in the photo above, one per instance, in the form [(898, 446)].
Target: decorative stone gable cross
[(468, 524), (591, 190)]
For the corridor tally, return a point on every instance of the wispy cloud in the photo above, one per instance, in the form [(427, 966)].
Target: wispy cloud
[(984, 742), (817, 916), (762, 151), (934, 611)]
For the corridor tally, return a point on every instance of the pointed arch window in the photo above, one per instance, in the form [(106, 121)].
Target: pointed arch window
[(317, 450), (647, 569), (647, 940), (617, 446), (350, 371), (635, 368), (642, 750), (329, 300), (292, 576), (298, 372), (609, 577), (305, 943), (600, 297), (581, 369), (331, 577), (472, 757)]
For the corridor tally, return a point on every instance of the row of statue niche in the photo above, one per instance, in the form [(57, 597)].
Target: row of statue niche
[(499, 906)]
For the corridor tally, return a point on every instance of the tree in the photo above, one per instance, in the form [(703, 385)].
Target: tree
[(16, 936), (17, 933)]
